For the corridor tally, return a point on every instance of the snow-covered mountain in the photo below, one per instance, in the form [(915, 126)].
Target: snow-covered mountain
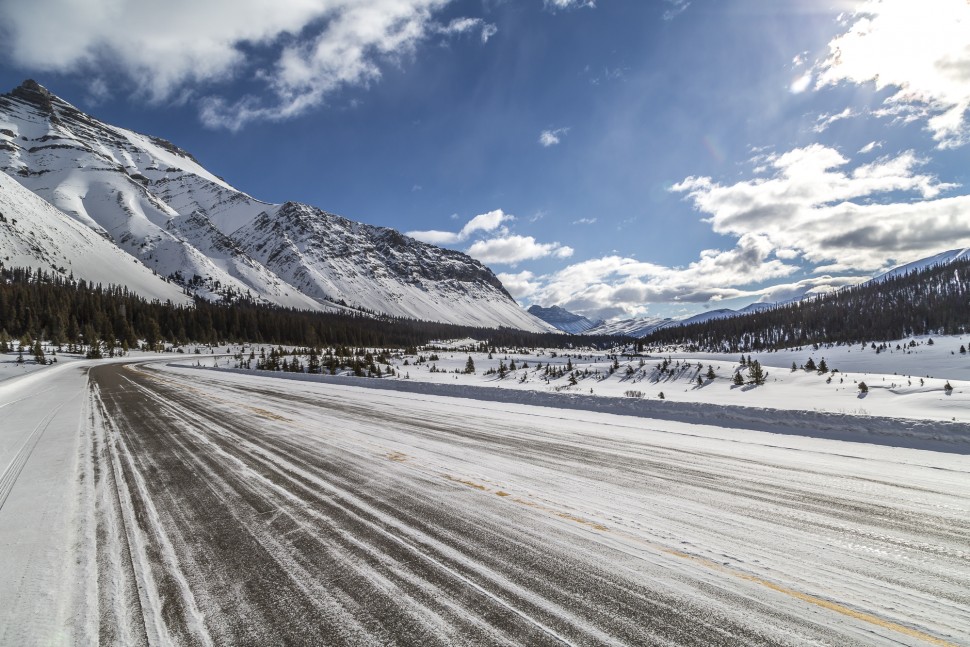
[(155, 202), (35, 234), (643, 326), (943, 258), (640, 327), (636, 327), (563, 320)]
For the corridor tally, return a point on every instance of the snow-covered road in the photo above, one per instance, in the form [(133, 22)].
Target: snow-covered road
[(213, 508)]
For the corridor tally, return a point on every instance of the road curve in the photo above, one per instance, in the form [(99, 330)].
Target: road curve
[(225, 509)]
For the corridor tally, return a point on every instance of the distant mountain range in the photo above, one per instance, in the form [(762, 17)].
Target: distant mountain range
[(109, 205), (564, 320), (644, 326)]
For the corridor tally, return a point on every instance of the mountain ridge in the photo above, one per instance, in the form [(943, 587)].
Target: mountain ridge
[(158, 204)]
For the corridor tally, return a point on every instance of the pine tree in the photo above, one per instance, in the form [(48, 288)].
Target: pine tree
[(756, 374), (710, 372), (738, 380), (470, 365), (823, 367), (810, 365)]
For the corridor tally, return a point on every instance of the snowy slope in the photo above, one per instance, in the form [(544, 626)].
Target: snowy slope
[(102, 176), (637, 327), (943, 258), (157, 203), (563, 320), (336, 260), (35, 234)]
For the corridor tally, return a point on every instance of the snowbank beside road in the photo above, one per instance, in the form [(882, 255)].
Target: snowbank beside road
[(935, 435)]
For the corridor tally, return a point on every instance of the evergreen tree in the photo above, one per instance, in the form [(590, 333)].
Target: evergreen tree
[(756, 375), (710, 372), (470, 365), (738, 380)]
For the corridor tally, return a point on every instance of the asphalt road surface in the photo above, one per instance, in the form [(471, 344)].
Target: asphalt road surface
[(236, 510)]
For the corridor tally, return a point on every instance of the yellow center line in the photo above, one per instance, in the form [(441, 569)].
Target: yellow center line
[(697, 559), (721, 568)]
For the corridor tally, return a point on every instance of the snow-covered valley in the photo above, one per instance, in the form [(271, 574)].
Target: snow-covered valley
[(151, 501)]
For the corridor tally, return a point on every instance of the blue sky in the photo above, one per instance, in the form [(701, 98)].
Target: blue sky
[(617, 158)]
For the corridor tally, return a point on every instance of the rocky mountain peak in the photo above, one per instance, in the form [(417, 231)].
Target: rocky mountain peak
[(175, 217)]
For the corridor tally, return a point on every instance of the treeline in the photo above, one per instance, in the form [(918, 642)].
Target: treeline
[(39, 305), (934, 300)]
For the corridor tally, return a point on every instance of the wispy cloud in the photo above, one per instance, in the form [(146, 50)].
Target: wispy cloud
[(513, 249), (814, 212), (569, 4), (460, 26), (301, 52), (843, 216), (675, 8), (496, 243), (584, 221), (549, 138), (924, 54), (486, 222), (823, 122)]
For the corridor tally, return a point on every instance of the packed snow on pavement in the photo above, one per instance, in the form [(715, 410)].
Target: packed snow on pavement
[(165, 502)]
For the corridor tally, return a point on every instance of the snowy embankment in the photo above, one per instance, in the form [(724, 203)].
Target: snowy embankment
[(906, 404), (936, 435)]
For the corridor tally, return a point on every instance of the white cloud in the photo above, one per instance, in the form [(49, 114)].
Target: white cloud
[(615, 286), (549, 138), (815, 207), (800, 83), (676, 8), (849, 218), (512, 249), (487, 222), (499, 246), (569, 4), (920, 51), (585, 221), (301, 51), (826, 120), (807, 287), (465, 25), (868, 148), (520, 285), (488, 31)]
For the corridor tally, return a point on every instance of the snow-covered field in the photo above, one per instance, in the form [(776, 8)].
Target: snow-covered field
[(907, 383), (161, 504)]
